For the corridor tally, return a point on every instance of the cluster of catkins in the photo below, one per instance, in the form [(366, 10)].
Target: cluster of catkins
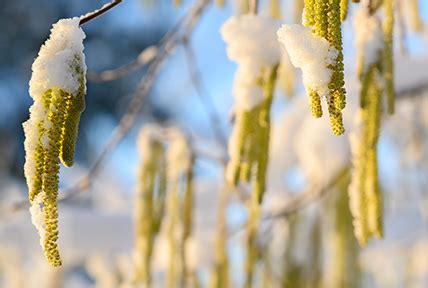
[(316, 48), (252, 44), (165, 181), (58, 89)]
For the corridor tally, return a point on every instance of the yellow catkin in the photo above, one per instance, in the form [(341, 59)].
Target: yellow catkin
[(369, 203), (315, 103), (148, 210), (298, 11), (309, 13), (50, 178), (188, 206), (219, 3), (253, 132), (221, 273), (251, 238), (374, 211), (325, 18), (75, 106), (344, 9), (416, 22), (337, 100), (388, 61), (275, 9), (39, 160)]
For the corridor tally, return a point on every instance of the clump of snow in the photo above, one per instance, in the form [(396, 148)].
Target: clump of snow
[(312, 53), (55, 65), (38, 217), (251, 42), (369, 37)]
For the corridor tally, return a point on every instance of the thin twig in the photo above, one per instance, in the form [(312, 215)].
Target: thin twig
[(144, 58), (90, 16), (206, 101)]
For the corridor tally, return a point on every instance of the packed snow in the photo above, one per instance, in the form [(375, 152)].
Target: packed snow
[(55, 65), (252, 44), (312, 53)]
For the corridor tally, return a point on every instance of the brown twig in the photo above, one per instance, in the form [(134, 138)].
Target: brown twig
[(207, 102), (88, 17)]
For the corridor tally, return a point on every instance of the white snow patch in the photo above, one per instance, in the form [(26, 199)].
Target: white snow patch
[(58, 58), (251, 42), (311, 53)]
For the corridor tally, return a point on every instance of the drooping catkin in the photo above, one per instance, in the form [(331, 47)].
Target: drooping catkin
[(57, 86), (364, 191), (179, 206), (388, 55), (220, 275), (344, 9), (374, 46), (150, 201), (251, 42), (275, 9), (252, 226)]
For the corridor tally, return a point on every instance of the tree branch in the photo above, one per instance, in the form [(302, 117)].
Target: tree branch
[(92, 15), (207, 102)]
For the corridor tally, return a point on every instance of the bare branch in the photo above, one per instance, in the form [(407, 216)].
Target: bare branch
[(92, 15), (207, 102), (144, 58)]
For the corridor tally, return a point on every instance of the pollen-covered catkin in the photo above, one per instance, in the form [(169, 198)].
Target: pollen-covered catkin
[(388, 58), (58, 88)]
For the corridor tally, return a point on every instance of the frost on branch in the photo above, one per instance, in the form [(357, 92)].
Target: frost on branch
[(317, 50), (251, 42), (58, 88)]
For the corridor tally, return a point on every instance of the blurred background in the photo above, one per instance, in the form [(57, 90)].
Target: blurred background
[(306, 235)]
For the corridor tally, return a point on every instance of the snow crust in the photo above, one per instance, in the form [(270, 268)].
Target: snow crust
[(252, 44), (311, 53), (55, 65)]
